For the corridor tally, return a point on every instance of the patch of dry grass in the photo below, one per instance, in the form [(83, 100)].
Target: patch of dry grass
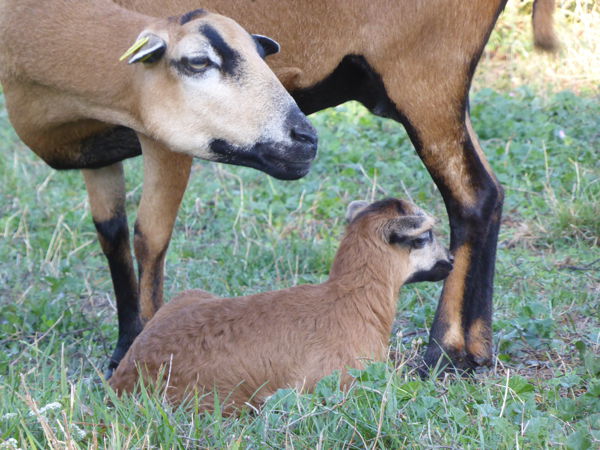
[(509, 59)]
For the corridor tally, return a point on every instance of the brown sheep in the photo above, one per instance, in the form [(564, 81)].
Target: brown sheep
[(245, 348), (411, 61), (196, 85)]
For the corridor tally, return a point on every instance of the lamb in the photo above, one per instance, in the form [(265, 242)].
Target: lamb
[(411, 61), (245, 348), (196, 86)]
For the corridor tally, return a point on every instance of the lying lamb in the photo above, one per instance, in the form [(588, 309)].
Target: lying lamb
[(245, 348)]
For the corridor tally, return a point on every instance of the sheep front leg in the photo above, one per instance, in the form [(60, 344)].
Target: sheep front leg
[(106, 191), (165, 178)]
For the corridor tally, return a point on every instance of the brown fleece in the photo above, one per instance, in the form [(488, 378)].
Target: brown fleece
[(245, 348)]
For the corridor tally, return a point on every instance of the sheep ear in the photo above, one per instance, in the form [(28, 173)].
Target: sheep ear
[(354, 208), (403, 229), (148, 48), (265, 45)]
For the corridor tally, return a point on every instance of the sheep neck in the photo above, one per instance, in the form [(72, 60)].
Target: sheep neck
[(83, 42), (369, 276)]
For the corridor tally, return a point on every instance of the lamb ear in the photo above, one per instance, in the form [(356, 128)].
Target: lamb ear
[(405, 228), (354, 208), (265, 45), (148, 48)]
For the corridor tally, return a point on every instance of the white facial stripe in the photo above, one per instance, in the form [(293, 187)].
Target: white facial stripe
[(214, 56), (425, 258)]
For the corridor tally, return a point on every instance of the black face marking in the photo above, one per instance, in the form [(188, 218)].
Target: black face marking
[(189, 16), (283, 160), (230, 58), (422, 240), (396, 239), (265, 156), (438, 272)]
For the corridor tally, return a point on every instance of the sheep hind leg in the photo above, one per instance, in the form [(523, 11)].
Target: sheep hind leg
[(106, 191), (461, 331), (440, 129)]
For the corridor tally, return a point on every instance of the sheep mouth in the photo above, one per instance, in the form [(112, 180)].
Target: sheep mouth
[(281, 161), (438, 272)]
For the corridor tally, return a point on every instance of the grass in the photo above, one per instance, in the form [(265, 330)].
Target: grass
[(240, 232), (509, 60)]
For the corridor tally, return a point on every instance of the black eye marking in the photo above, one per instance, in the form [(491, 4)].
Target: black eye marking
[(422, 240), (189, 16), (399, 208), (230, 59), (397, 239), (415, 243)]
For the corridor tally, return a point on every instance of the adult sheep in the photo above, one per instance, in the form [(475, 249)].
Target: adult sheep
[(412, 61), (197, 86)]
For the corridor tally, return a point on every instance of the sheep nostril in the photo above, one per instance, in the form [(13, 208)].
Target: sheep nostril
[(305, 136)]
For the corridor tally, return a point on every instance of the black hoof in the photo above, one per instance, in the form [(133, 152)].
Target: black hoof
[(123, 344), (116, 357), (438, 361), (108, 372)]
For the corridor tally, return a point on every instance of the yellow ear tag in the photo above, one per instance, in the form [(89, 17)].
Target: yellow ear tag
[(134, 48)]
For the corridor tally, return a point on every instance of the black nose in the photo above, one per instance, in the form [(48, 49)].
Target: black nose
[(304, 135), (445, 266), (301, 130)]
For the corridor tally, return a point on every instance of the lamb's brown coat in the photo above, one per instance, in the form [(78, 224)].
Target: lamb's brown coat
[(248, 347)]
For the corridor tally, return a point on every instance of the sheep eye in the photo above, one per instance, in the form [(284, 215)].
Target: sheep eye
[(418, 243), (197, 64)]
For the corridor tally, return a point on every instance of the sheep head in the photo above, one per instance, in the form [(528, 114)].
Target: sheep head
[(405, 232), (205, 90)]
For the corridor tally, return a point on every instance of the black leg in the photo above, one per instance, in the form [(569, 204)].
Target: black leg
[(106, 190), (461, 333)]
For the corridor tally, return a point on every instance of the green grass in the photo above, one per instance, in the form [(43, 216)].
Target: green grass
[(240, 232)]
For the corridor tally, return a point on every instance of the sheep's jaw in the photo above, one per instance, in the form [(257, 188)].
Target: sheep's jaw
[(438, 272)]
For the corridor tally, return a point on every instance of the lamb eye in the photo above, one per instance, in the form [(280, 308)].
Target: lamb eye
[(418, 243), (197, 63), (422, 240)]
